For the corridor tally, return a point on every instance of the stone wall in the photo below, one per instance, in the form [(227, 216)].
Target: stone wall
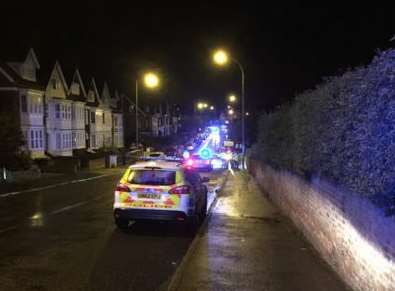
[(351, 234)]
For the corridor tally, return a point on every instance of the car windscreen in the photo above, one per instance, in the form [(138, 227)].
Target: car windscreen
[(152, 177)]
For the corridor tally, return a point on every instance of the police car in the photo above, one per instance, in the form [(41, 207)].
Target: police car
[(160, 190)]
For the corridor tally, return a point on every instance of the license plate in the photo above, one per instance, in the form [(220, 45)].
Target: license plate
[(149, 196)]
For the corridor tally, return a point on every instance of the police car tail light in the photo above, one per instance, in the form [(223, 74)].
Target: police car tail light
[(122, 188), (184, 189)]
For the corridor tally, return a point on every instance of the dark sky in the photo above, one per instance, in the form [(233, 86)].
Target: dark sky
[(284, 49)]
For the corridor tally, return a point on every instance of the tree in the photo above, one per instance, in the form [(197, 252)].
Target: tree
[(12, 155)]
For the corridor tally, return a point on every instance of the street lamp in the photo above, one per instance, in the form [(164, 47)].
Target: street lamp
[(232, 98), (231, 112), (211, 107), (221, 58), (200, 106), (151, 81)]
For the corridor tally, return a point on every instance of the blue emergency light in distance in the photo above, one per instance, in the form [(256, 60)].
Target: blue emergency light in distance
[(206, 154)]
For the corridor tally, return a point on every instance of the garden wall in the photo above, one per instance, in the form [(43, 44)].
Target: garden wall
[(350, 232)]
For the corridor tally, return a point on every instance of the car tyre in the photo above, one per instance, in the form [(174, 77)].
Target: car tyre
[(203, 210), (122, 223)]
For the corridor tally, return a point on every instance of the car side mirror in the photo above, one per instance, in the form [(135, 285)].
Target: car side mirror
[(205, 179)]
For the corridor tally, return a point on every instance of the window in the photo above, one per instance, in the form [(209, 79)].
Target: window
[(74, 140), (32, 139), (36, 141), (58, 141), (57, 111), (93, 117), (54, 84), (73, 113), (152, 177), (41, 138), (104, 118), (23, 103), (39, 105)]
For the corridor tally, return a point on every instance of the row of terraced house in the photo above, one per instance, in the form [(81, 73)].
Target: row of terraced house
[(60, 113)]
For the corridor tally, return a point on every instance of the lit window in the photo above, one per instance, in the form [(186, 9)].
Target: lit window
[(54, 84)]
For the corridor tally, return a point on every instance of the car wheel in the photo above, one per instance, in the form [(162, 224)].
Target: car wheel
[(121, 223), (203, 210)]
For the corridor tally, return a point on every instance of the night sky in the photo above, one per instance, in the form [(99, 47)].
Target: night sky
[(285, 50)]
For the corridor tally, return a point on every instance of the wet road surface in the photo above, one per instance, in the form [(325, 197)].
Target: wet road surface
[(64, 238)]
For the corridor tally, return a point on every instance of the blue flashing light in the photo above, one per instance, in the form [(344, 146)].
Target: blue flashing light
[(214, 129), (206, 154)]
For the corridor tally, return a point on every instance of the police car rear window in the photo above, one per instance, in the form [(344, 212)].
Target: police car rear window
[(155, 155), (152, 177)]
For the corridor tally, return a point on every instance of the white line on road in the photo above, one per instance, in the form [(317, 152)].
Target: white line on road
[(52, 186), (54, 212), (68, 207), (8, 228)]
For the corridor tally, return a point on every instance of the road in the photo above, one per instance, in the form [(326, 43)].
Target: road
[(64, 238)]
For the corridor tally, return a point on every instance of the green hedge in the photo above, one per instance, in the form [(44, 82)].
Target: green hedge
[(344, 130)]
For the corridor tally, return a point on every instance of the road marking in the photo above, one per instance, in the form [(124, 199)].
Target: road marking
[(52, 186), (8, 228), (54, 212), (63, 209)]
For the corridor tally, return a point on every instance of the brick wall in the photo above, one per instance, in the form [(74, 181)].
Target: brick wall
[(351, 234)]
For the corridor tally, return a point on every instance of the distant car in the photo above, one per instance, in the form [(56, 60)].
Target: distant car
[(196, 162), (155, 156), (160, 190)]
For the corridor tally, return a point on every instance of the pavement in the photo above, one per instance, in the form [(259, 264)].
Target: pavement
[(247, 244)]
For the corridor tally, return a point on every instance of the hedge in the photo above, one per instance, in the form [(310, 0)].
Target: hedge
[(344, 130)]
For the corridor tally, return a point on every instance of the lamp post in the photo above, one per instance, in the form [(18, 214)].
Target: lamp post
[(221, 58), (151, 81), (232, 98)]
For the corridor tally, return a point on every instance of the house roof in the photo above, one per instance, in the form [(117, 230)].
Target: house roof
[(92, 87), (77, 79), (11, 79)]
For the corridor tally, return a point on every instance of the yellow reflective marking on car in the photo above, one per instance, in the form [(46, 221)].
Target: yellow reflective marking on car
[(123, 196)]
